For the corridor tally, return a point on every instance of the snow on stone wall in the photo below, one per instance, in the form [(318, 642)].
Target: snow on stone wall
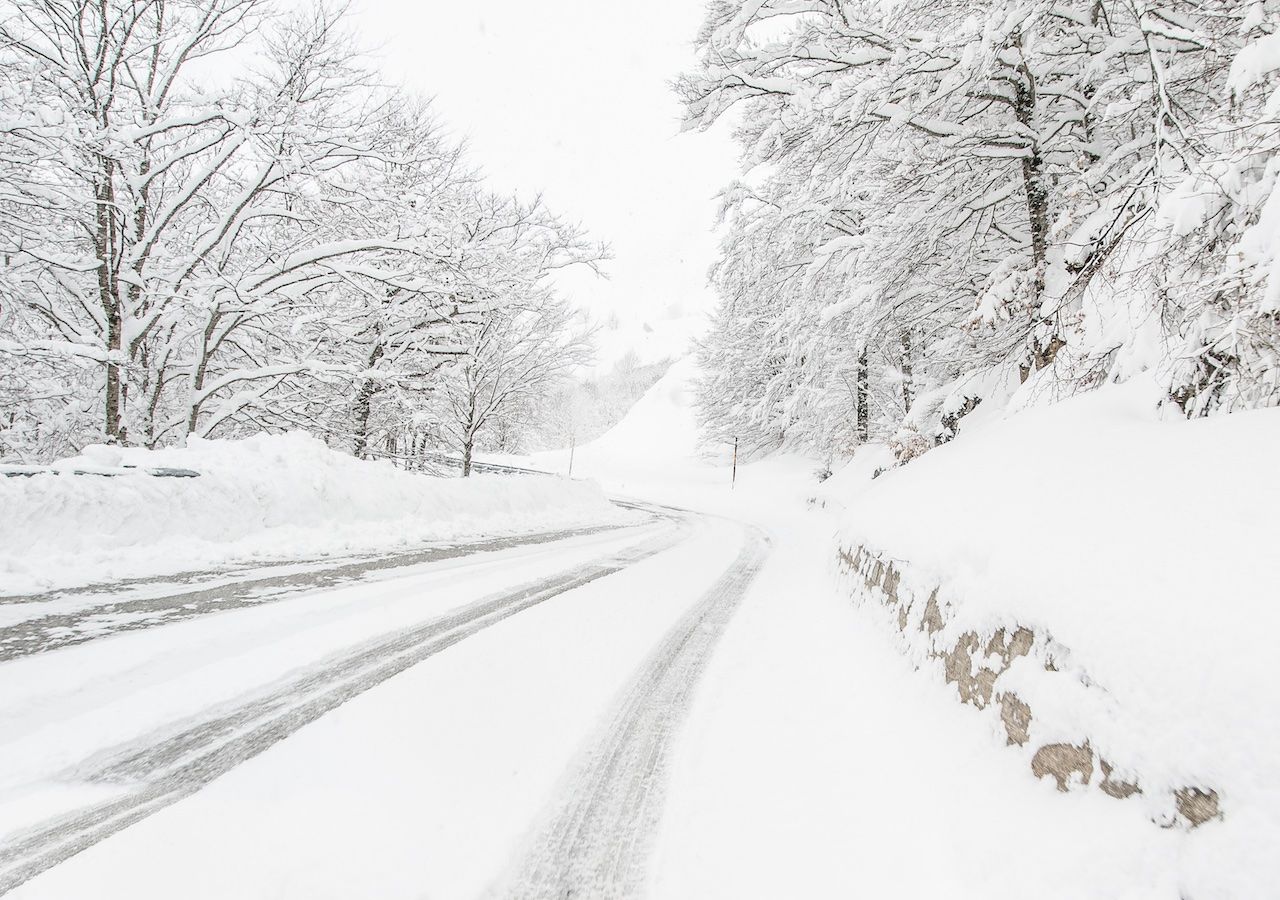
[(1056, 735), (1101, 581)]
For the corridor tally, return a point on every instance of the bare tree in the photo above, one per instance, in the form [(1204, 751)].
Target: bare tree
[(208, 253), (514, 359)]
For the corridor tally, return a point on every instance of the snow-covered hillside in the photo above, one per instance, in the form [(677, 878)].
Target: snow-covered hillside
[(263, 498), (656, 451), (661, 426), (1142, 553)]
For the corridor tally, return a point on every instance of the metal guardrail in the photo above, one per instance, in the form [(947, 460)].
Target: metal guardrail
[(484, 468)]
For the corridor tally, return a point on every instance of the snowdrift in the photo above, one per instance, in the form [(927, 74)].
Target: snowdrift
[(1142, 555), (264, 498)]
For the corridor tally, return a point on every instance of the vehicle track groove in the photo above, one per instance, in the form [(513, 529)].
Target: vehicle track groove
[(596, 841)]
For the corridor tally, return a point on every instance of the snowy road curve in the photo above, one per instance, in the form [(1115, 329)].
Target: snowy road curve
[(42, 622)]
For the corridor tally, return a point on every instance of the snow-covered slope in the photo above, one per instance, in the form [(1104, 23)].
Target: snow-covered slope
[(266, 497), (661, 426), (1145, 548), (658, 434), (656, 452)]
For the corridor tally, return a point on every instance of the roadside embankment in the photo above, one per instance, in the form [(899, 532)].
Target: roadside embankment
[(1101, 583)]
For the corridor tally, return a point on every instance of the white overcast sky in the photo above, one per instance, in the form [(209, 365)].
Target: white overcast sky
[(572, 98)]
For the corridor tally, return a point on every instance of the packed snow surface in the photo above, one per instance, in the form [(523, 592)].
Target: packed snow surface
[(266, 497)]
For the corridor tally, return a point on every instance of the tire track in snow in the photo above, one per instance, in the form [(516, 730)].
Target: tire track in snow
[(163, 768), (598, 838), (111, 610)]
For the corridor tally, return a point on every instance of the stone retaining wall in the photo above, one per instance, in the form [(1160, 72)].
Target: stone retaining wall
[(976, 662)]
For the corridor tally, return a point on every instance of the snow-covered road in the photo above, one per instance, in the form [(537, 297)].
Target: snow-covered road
[(598, 837), (677, 709), (162, 767), (102, 734), (37, 623)]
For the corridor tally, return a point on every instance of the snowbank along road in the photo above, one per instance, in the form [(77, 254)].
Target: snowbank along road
[(595, 837)]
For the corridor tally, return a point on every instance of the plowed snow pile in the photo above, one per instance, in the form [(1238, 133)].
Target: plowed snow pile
[(264, 498)]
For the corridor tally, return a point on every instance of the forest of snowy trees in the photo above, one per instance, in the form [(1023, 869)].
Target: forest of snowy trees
[(216, 220), (953, 203)]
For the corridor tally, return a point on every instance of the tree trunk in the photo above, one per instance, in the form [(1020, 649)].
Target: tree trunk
[(469, 432), (360, 414), (1033, 176), (904, 344), (1044, 346), (364, 406), (198, 373), (104, 246), (864, 396)]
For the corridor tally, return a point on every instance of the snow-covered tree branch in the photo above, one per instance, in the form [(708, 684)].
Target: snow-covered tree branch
[(946, 204), (186, 251)]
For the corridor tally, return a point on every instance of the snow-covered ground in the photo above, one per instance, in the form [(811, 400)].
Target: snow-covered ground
[(819, 763), (270, 497), (814, 760), (1147, 549)]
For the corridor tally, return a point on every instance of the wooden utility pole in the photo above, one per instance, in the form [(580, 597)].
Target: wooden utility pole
[(573, 445), (734, 482)]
